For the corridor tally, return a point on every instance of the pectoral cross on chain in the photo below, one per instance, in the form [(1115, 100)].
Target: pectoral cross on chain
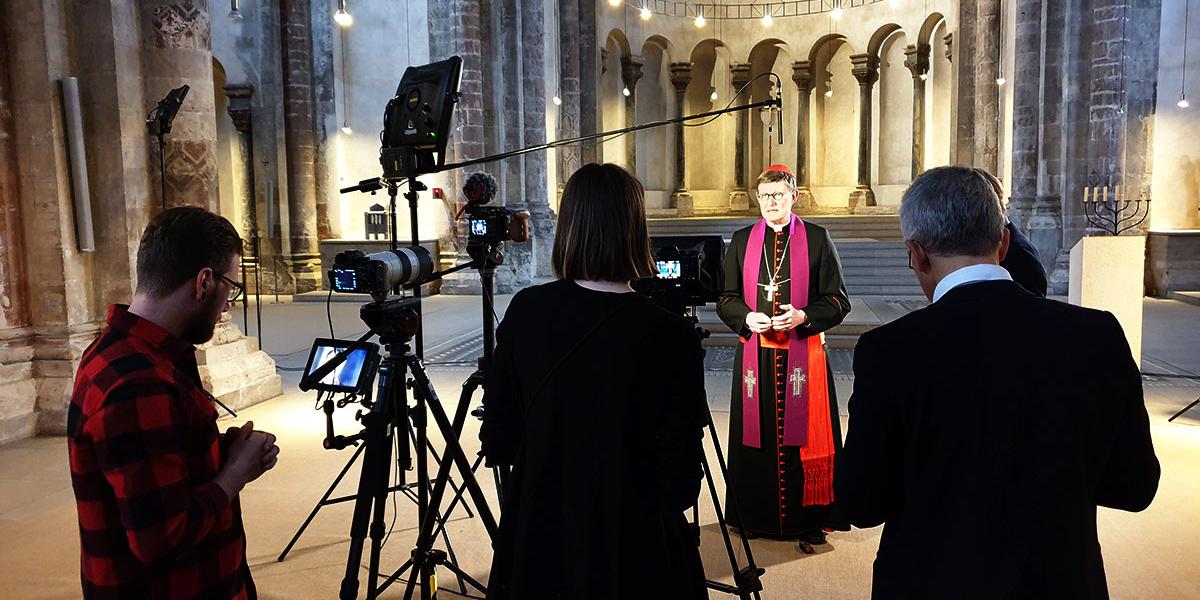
[(771, 287), (798, 380), (750, 380)]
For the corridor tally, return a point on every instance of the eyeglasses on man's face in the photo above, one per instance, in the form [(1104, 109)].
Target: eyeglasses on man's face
[(235, 289), (774, 197)]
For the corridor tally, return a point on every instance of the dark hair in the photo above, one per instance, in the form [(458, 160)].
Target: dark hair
[(773, 176), (602, 227), (178, 243)]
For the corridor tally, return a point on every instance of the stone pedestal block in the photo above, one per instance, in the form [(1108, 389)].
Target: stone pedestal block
[(1174, 262), (1107, 274), (861, 197), (684, 204), (18, 392), (234, 371), (739, 201)]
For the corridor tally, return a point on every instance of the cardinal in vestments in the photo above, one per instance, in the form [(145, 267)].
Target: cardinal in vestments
[(783, 289)]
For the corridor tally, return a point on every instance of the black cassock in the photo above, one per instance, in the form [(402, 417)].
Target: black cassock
[(768, 482)]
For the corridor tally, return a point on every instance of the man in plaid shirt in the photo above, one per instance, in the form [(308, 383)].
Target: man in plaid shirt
[(155, 482)]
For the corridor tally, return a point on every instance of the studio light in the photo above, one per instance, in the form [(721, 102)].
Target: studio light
[(614, 3), (699, 17), (346, 130), (343, 17)]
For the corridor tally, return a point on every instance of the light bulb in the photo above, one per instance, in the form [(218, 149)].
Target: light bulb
[(343, 18), (556, 100), (346, 130), (235, 15), (1001, 81), (923, 76), (699, 21), (836, 13), (829, 93), (1183, 103), (614, 3), (713, 96), (625, 91), (646, 13), (767, 19)]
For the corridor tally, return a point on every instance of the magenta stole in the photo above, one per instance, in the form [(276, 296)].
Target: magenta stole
[(795, 427)]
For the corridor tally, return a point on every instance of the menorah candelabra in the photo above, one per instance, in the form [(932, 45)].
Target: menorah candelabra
[(1114, 215)]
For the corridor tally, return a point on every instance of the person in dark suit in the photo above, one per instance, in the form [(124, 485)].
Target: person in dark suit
[(1021, 261), (953, 448)]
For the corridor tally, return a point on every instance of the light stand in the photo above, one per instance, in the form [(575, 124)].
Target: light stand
[(158, 123)]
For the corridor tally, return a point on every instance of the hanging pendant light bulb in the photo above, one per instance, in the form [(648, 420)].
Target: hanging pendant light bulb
[(923, 76), (829, 92), (699, 17), (646, 13), (767, 19), (1183, 103), (556, 100), (235, 15), (836, 13), (346, 130), (625, 91), (1001, 80), (713, 96), (343, 17)]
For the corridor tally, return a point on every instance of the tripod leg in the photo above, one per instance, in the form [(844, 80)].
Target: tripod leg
[(321, 502), (437, 459), (458, 496), (378, 527), (1185, 409), (375, 436)]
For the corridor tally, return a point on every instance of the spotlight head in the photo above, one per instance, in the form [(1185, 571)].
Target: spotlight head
[(343, 18), (346, 129), (235, 15)]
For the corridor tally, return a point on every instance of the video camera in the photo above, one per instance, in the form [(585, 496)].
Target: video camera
[(380, 273), (490, 225), (690, 272)]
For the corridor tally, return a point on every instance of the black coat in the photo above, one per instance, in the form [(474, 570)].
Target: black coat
[(984, 470), (607, 457), (1023, 264)]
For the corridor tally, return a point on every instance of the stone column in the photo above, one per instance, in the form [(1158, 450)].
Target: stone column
[(240, 111), (631, 72), (177, 49), (987, 91), (916, 58), (299, 125), (802, 75), (739, 200), (570, 158), (1027, 112), (865, 69), (681, 199), (533, 90), (589, 96)]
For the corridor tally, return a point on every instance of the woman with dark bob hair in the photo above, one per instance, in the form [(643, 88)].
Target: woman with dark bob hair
[(596, 399)]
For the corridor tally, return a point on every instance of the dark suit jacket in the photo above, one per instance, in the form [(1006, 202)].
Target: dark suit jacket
[(1023, 264), (986, 472)]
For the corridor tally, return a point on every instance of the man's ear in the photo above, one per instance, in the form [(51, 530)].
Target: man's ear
[(919, 257), (1005, 239), (202, 284)]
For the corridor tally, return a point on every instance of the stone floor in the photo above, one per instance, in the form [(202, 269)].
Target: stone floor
[(1148, 555)]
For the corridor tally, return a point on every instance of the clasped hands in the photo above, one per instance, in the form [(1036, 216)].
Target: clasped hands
[(788, 319), (249, 454)]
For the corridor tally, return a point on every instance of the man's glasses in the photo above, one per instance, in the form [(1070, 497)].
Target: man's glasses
[(235, 289), (774, 197)]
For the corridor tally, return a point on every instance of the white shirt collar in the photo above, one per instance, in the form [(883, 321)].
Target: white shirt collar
[(970, 274)]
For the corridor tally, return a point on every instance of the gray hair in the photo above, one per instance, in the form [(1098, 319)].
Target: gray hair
[(952, 211)]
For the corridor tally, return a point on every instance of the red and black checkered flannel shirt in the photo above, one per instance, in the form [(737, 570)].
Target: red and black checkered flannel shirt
[(144, 450)]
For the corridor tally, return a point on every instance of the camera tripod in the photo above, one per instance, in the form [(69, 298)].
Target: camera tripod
[(747, 581)]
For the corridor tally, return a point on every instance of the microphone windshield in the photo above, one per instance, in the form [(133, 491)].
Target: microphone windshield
[(479, 188)]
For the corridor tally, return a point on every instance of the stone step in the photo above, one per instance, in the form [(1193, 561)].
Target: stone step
[(858, 273), (1188, 297), (852, 262), (884, 290)]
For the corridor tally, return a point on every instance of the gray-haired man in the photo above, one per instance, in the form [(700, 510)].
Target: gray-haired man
[(953, 448)]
